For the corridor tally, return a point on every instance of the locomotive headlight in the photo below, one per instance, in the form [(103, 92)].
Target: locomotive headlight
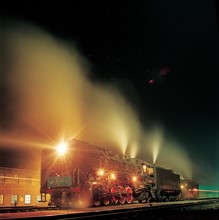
[(62, 148), (112, 176), (100, 172), (134, 178)]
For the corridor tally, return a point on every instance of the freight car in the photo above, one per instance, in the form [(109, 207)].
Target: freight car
[(91, 176)]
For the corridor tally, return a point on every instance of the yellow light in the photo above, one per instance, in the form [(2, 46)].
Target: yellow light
[(181, 186), (144, 168), (62, 148), (113, 177), (100, 172), (134, 178)]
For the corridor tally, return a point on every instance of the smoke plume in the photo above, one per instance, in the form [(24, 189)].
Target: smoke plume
[(46, 95)]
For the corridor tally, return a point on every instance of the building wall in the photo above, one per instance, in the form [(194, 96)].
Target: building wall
[(20, 187)]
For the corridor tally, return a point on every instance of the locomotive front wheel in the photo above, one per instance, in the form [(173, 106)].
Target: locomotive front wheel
[(96, 198), (114, 197), (96, 202), (129, 196), (122, 195)]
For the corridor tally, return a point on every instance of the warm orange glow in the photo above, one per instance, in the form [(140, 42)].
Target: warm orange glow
[(48, 79), (51, 96), (62, 148), (182, 187), (100, 172), (113, 177), (134, 178)]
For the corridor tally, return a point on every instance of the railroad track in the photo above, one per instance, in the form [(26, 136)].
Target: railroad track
[(25, 209), (136, 211)]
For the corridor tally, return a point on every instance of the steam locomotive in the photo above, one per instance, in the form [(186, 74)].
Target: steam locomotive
[(93, 176)]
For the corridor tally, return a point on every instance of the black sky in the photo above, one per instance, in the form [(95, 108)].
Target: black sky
[(125, 40)]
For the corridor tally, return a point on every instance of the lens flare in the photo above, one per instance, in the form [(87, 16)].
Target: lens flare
[(62, 148)]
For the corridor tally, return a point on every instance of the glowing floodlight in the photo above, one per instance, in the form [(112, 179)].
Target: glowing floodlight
[(100, 172), (62, 148)]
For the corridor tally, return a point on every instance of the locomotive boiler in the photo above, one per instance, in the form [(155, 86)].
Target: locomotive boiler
[(90, 175)]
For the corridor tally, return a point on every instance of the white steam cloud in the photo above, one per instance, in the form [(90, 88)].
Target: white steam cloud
[(47, 95)]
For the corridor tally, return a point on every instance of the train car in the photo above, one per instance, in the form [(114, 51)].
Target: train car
[(189, 189), (91, 176)]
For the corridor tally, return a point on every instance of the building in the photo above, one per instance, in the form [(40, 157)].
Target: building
[(19, 187)]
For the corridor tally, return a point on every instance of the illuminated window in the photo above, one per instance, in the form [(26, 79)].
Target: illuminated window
[(38, 198), (27, 199), (14, 199), (2, 178), (43, 197), (1, 199), (150, 170)]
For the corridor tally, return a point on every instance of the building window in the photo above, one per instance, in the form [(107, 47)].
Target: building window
[(14, 199), (43, 197), (27, 199), (38, 198), (2, 178), (1, 199)]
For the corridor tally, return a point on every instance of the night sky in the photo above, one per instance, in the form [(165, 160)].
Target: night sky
[(125, 41)]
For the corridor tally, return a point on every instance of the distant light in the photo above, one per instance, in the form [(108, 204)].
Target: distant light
[(62, 148), (182, 187)]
